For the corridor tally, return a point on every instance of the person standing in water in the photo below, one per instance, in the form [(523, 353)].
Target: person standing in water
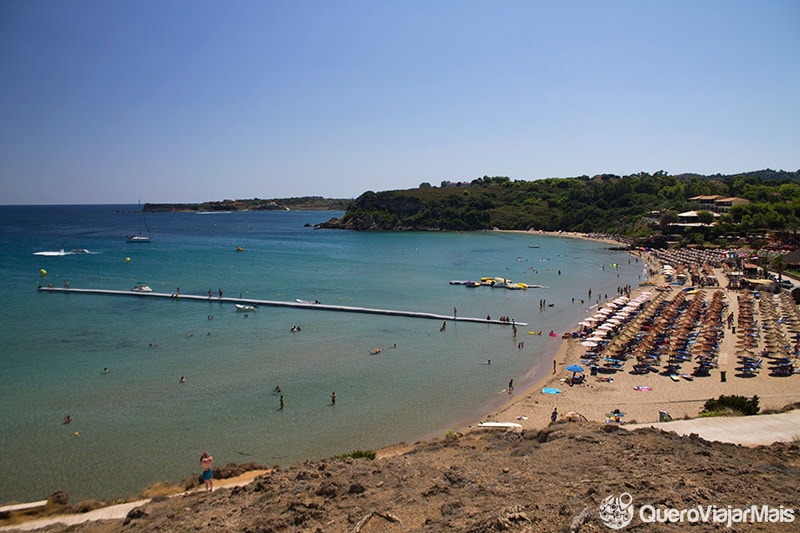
[(333, 398), (510, 386), (205, 464)]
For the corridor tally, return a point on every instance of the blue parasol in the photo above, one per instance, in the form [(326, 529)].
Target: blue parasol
[(575, 368)]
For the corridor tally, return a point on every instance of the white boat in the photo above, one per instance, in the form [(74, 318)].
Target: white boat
[(141, 287), (246, 308), (58, 253), (298, 300), (51, 253), (140, 237), (500, 425)]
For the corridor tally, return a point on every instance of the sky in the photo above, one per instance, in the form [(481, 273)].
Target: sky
[(201, 100)]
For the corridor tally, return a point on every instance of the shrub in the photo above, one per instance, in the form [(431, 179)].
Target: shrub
[(358, 454), (740, 405), (452, 435)]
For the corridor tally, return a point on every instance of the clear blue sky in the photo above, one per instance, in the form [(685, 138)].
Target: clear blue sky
[(194, 100)]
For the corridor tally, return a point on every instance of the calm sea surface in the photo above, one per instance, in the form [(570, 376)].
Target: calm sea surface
[(137, 424)]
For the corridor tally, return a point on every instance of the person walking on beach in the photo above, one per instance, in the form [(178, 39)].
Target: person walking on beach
[(205, 464), (554, 414), (510, 386)]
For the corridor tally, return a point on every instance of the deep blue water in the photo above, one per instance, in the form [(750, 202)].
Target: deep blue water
[(137, 424)]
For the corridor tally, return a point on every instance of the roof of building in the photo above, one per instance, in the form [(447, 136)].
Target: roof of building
[(734, 199), (710, 197), (691, 214)]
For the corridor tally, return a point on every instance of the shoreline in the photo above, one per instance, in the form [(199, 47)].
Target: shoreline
[(593, 399), (542, 376)]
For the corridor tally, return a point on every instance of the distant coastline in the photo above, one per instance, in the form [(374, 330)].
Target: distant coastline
[(305, 203)]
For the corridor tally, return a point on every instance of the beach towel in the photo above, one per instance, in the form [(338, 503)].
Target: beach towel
[(551, 390), (642, 388)]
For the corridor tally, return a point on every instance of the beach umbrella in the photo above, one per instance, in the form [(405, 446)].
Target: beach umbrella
[(574, 368)]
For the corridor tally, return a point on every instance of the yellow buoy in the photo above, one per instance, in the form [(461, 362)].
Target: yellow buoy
[(76, 433), (43, 272), (127, 259)]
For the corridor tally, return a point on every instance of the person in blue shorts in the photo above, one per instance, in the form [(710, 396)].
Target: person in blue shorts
[(205, 464)]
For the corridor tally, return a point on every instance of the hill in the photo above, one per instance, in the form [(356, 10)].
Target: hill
[(549, 480), (304, 203), (604, 203)]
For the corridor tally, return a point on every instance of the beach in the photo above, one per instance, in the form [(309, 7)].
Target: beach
[(642, 398)]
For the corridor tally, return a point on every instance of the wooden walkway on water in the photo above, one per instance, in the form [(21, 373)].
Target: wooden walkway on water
[(279, 303)]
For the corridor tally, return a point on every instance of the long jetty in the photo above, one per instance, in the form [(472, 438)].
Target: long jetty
[(279, 303)]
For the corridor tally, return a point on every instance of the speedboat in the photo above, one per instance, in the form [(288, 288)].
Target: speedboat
[(141, 287), (245, 308)]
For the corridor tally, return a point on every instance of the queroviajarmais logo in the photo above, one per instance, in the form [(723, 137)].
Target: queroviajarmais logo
[(616, 512)]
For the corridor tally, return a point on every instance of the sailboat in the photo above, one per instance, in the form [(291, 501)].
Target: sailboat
[(140, 237)]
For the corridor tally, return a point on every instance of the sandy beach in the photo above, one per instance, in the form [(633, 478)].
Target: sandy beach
[(641, 397)]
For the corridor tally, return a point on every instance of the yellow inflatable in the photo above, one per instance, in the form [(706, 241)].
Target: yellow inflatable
[(127, 259), (43, 272)]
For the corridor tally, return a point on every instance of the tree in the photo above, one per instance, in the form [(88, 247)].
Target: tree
[(706, 217), (778, 264), (669, 217)]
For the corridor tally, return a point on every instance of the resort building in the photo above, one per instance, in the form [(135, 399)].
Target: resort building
[(717, 203)]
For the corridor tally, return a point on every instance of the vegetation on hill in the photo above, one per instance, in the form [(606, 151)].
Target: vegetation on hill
[(638, 205), (303, 203)]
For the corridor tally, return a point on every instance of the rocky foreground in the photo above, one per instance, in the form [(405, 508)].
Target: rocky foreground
[(549, 480)]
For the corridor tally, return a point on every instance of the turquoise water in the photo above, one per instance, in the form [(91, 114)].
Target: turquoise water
[(137, 424)]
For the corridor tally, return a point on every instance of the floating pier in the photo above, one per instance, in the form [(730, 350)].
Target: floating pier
[(279, 303)]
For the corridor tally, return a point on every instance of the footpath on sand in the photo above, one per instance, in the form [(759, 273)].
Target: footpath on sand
[(119, 512), (745, 430)]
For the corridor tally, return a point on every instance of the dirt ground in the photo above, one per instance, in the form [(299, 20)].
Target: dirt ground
[(552, 479)]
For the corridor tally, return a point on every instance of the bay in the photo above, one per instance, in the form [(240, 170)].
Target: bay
[(137, 424)]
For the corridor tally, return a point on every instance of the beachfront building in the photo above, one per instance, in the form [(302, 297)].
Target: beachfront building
[(692, 219), (717, 203)]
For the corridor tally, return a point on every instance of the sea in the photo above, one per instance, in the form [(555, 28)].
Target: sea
[(114, 363)]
